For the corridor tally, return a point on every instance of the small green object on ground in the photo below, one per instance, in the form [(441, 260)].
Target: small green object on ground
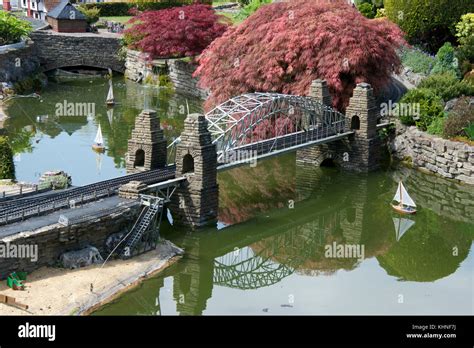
[(15, 280)]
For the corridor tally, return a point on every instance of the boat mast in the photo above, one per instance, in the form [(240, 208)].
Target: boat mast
[(401, 196)]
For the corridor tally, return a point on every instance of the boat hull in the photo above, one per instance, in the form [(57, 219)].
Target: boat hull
[(403, 210), (98, 148)]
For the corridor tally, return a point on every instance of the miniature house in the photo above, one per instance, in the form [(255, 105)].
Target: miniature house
[(36, 8), (65, 18)]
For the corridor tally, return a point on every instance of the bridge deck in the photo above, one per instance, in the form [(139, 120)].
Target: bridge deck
[(279, 145), (18, 210)]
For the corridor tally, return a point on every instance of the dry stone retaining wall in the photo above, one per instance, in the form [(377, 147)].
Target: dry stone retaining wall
[(18, 62), (138, 66), (53, 240), (449, 159)]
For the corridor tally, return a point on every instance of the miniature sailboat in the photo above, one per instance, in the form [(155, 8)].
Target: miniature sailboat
[(405, 205), (99, 141), (110, 96), (402, 226)]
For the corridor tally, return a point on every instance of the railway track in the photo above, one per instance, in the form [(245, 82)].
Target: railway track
[(21, 209)]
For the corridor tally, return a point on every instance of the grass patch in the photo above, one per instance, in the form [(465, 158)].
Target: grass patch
[(120, 19)]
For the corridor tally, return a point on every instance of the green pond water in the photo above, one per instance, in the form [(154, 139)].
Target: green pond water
[(279, 223)]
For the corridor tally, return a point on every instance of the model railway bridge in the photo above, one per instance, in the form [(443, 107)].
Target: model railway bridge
[(242, 130)]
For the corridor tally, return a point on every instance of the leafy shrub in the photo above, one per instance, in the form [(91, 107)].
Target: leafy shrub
[(274, 52), (447, 86), (7, 166), (437, 126), (469, 130), (465, 55), (417, 60), (92, 14), (465, 28), (446, 60), (12, 29), (367, 10), (430, 108), (460, 118), (428, 22), (376, 3), (175, 32), (251, 8)]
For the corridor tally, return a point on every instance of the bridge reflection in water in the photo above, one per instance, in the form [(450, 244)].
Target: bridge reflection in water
[(275, 245)]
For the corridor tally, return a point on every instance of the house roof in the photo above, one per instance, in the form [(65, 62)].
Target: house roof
[(65, 10), (51, 4)]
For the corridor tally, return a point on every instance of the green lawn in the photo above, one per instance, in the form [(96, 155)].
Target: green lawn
[(120, 19)]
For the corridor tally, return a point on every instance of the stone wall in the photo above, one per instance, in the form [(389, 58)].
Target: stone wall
[(449, 159), (18, 63), (445, 197), (139, 66), (57, 50), (53, 240), (181, 74)]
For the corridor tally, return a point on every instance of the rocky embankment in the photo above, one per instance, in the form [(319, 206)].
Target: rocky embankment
[(449, 159)]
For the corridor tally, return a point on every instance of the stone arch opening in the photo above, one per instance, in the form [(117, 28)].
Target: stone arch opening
[(139, 158), (350, 215), (355, 122), (328, 163), (188, 164)]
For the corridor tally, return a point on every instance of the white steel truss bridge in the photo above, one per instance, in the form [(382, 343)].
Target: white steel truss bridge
[(258, 125)]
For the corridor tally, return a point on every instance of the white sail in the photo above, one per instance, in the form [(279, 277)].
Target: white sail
[(402, 196), (110, 95), (98, 138), (401, 226)]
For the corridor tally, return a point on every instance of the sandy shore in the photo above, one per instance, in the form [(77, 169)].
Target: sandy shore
[(56, 291)]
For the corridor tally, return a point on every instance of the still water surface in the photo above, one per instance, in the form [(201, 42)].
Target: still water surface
[(277, 221)]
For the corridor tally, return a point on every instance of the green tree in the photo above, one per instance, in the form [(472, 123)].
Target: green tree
[(446, 61), (7, 167), (430, 23), (92, 14)]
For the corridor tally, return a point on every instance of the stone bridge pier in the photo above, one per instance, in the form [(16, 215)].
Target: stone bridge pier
[(195, 203), (360, 152)]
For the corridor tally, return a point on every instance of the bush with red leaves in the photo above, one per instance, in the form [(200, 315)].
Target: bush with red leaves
[(284, 46), (175, 32)]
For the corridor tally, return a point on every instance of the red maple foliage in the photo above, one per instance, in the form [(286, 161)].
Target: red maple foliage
[(284, 46), (175, 32)]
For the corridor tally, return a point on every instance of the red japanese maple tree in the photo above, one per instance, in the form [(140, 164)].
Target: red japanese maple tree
[(175, 32), (284, 46)]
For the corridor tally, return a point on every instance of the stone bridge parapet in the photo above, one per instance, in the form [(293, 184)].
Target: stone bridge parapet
[(59, 50)]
